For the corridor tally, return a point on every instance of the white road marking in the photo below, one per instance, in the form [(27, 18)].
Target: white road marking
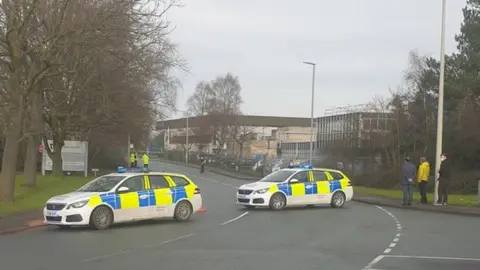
[(233, 219), (130, 249), (399, 228), (373, 262), (392, 244), (433, 258)]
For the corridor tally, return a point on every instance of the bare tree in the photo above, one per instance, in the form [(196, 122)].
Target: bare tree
[(241, 134), (228, 100), (202, 100)]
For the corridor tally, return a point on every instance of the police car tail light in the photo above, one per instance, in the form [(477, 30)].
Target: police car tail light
[(349, 184), (197, 191)]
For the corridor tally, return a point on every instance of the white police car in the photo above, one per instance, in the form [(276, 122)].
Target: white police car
[(302, 185), (123, 197)]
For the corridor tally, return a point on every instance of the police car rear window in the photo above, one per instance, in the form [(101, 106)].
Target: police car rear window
[(179, 181), (336, 175)]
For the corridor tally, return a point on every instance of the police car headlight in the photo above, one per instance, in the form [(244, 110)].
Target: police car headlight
[(78, 204), (261, 191)]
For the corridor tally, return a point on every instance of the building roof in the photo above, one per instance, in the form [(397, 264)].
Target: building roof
[(243, 120)]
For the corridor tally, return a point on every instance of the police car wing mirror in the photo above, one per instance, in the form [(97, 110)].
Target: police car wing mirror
[(294, 180), (123, 189)]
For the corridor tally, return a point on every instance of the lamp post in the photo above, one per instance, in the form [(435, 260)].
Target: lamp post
[(186, 142), (311, 113), (440, 100)]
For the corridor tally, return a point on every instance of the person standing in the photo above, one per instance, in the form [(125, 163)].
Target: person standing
[(136, 159), (422, 179), (409, 172), (202, 165), (132, 160), (444, 180), (145, 160)]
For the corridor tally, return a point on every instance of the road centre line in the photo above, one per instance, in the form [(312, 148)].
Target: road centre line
[(127, 250), (234, 219)]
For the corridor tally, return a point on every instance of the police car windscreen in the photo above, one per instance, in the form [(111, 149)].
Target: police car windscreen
[(102, 184), (278, 176)]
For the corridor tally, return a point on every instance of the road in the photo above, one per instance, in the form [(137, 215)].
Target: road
[(228, 237)]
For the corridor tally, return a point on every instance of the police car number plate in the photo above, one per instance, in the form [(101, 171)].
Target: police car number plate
[(242, 196), (51, 213)]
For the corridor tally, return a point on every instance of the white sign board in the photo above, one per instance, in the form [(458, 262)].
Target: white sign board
[(74, 155)]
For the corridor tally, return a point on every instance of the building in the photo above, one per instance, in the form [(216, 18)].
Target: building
[(341, 128), (259, 134)]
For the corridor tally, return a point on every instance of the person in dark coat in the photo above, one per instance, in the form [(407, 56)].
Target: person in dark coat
[(409, 172), (444, 180), (202, 165)]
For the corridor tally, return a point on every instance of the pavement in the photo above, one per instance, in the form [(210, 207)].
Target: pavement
[(227, 236)]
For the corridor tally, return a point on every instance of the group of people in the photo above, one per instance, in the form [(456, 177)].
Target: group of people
[(134, 160), (421, 174)]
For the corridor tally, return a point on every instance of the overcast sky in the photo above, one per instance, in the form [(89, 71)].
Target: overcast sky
[(360, 46)]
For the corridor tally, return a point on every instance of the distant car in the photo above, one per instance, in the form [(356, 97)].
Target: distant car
[(123, 197), (297, 186)]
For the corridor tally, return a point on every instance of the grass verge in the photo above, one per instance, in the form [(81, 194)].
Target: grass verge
[(453, 199), (34, 198)]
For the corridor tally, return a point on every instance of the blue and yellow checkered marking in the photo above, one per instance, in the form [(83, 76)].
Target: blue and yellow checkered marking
[(335, 185), (310, 188), (139, 199)]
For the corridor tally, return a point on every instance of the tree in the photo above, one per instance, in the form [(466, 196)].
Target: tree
[(82, 65), (26, 61), (219, 98), (241, 134), (202, 100), (227, 102)]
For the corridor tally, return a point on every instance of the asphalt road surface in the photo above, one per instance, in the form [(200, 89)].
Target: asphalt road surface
[(228, 237)]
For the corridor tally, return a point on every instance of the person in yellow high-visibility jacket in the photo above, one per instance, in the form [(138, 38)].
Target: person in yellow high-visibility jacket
[(422, 178), (145, 160), (132, 160)]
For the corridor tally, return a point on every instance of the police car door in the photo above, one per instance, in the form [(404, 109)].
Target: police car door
[(299, 189), (133, 203), (160, 200), (322, 187)]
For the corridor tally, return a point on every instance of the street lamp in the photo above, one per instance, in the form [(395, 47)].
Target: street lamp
[(311, 116), (440, 101), (186, 134)]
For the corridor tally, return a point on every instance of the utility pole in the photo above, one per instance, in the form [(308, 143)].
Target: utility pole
[(128, 150), (440, 101), (311, 110)]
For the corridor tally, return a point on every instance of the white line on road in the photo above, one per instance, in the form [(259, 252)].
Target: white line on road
[(233, 219), (399, 228), (373, 262), (433, 258), (130, 249)]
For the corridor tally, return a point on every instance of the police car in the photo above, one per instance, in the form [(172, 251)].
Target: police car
[(125, 196), (303, 185)]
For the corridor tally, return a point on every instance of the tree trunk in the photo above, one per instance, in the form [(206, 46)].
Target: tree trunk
[(35, 128), (9, 166), (30, 169), (57, 161)]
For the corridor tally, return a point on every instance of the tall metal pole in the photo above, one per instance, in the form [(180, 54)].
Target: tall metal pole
[(128, 150), (440, 100), (186, 143), (311, 112)]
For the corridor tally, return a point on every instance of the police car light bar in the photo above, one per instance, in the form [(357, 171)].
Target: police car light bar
[(121, 169)]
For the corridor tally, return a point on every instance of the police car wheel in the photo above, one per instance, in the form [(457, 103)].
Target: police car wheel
[(101, 218), (183, 211), (338, 200), (278, 201)]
